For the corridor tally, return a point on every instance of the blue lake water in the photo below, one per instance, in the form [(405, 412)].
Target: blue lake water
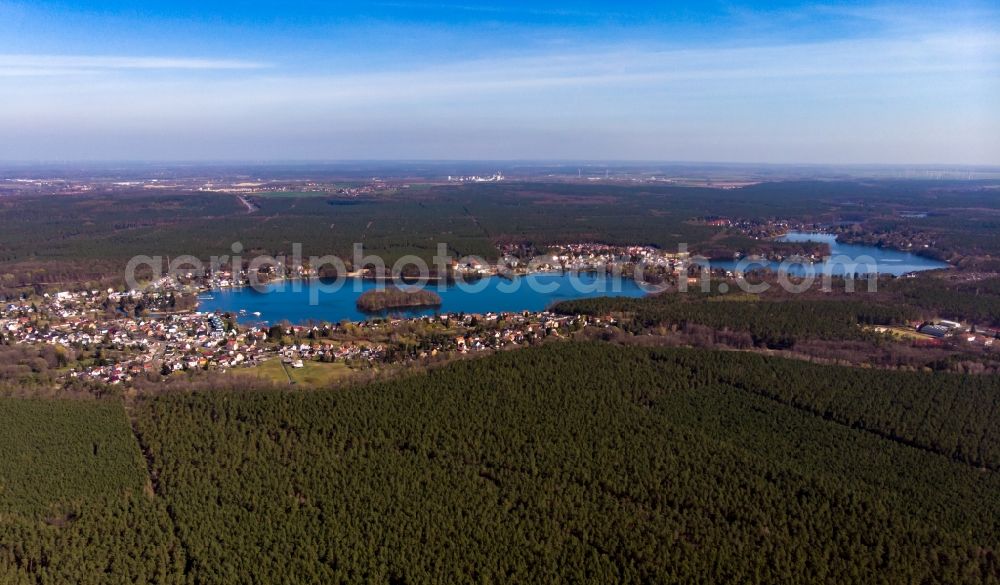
[(303, 301), (294, 300), (868, 258)]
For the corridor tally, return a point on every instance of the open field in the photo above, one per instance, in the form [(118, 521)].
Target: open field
[(311, 375), (289, 194), (907, 333), (270, 371)]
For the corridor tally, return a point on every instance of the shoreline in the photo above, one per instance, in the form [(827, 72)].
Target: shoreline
[(205, 289), (642, 290), (920, 252)]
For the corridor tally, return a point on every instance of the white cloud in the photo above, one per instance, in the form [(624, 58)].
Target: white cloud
[(494, 9), (39, 65), (971, 52), (911, 97), (920, 61)]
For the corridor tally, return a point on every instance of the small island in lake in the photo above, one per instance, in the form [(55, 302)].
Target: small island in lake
[(374, 301)]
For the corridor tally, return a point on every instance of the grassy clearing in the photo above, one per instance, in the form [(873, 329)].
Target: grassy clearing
[(310, 375), (420, 187), (269, 371), (318, 374), (902, 333), (292, 194), (739, 297)]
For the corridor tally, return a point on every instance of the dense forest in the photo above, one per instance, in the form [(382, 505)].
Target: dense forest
[(567, 462), (374, 301), (75, 501), (835, 326), (57, 241), (976, 301), (582, 462), (777, 324)]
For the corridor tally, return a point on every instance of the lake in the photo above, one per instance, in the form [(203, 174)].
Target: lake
[(886, 261), (291, 300)]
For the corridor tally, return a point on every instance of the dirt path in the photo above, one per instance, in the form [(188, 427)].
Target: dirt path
[(284, 369), (475, 220), (365, 233), (153, 487), (251, 207)]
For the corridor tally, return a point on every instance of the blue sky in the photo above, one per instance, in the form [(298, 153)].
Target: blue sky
[(845, 82)]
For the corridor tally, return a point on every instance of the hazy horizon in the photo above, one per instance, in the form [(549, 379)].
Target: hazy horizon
[(530, 163)]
